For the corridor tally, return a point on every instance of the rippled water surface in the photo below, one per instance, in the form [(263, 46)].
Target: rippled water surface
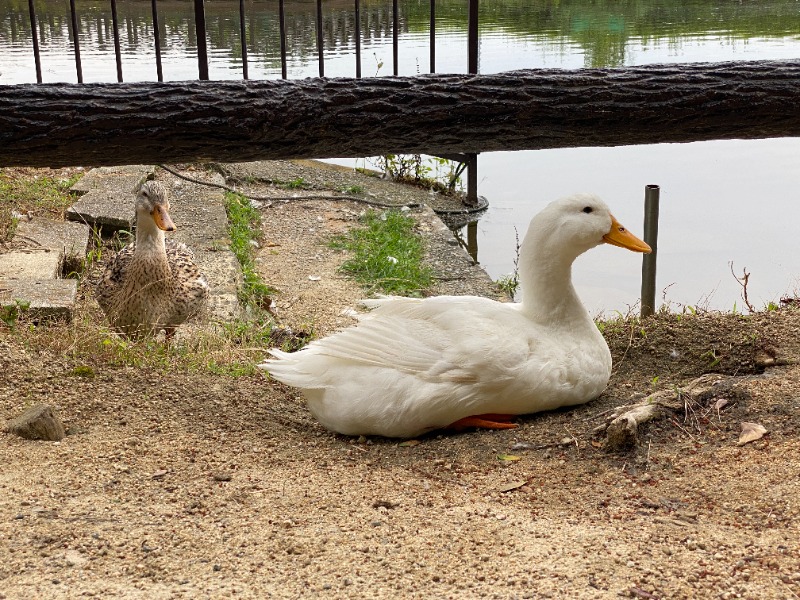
[(722, 202)]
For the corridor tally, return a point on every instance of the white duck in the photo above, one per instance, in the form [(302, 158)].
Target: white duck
[(415, 365)]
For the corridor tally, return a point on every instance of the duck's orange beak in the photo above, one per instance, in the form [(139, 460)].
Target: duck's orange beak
[(619, 236), (162, 219)]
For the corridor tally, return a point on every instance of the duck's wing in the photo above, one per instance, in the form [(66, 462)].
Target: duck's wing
[(457, 339), (113, 276), (190, 285)]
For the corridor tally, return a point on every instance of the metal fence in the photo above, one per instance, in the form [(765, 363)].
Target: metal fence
[(469, 161), (202, 47)]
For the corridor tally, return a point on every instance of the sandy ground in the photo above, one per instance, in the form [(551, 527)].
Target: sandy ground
[(191, 485)]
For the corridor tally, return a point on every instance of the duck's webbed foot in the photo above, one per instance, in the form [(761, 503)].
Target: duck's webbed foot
[(487, 421)]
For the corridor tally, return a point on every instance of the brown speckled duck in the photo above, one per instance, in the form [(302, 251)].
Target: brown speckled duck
[(154, 283)]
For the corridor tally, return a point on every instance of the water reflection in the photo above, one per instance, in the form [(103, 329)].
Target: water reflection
[(514, 34)]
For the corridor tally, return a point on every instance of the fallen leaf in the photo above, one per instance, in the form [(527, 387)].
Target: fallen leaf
[(511, 486), (597, 444), (751, 432), (720, 403), (409, 443), (508, 457)]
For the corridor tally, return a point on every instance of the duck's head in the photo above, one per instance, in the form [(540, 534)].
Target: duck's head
[(572, 225), (152, 202)]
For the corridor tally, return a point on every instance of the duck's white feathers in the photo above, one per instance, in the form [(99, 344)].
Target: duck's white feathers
[(425, 364), (411, 366)]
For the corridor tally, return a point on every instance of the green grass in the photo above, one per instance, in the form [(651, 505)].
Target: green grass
[(244, 227), (387, 254), (38, 191), (352, 189), (295, 184), (509, 284)]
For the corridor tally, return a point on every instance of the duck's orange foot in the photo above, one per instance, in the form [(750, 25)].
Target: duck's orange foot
[(487, 421)]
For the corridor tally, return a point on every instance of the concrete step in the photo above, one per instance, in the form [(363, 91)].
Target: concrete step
[(44, 298), (107, 196), (30, 274), (67, 239)]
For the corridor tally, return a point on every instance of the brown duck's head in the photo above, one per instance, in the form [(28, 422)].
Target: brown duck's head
[(151, 200)]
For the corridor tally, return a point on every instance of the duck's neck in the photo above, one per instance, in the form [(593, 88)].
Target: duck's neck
[(149, 238), (548, 296)]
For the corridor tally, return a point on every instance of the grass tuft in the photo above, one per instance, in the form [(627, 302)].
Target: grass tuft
[(387, 254)]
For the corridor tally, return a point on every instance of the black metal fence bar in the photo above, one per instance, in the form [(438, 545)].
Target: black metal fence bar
[(358, 38), (35, 39), (202, 45), (243, 34), (282, 21), (433, 36), (395, 40), (75, 35), (117, 52), (472, 67), (320, 40), (472, 37), (157, 41)]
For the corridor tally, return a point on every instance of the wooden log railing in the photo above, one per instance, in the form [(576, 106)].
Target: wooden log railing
[(105, 124)]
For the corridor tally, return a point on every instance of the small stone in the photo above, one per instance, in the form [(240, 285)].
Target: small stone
[(222, 476), (39, 422)]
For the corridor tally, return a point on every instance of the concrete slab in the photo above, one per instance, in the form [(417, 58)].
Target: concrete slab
[(199, 213), (39, 263), (52, 298), (70, 238), (224, 307), (221, 269), (108, 196)]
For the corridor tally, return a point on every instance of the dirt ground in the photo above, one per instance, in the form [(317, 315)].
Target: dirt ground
[(191, 485)]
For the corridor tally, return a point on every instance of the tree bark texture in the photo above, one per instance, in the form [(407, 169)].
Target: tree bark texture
[(130, 123)]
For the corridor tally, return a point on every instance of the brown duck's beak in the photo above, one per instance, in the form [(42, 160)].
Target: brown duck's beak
[(162, 219), (619, 236)]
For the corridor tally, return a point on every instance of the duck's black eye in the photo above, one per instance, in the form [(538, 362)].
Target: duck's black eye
[(587, 209)]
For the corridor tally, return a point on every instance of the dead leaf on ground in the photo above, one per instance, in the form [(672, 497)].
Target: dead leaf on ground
[(514, 485), (751, 432)]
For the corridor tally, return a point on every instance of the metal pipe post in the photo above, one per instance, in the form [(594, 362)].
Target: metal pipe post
[(651, 199)]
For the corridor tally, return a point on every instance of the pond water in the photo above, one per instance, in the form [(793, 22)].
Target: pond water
[(722, 203)]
